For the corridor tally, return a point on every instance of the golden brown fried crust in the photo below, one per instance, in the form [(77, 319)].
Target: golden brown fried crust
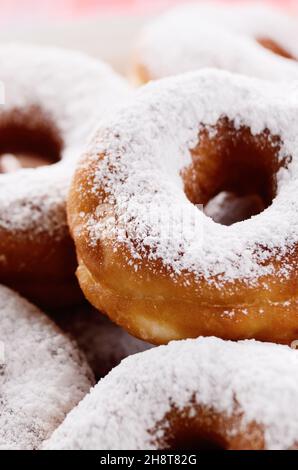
[(140, 73), (40, 268), (274, 47), (156, 305)]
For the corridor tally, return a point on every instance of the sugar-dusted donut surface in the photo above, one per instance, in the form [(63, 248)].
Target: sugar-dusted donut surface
[(43, 376), (243, 37), (154, 262), (53, 100), (195, 394)]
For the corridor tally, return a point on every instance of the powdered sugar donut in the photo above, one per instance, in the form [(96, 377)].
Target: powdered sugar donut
[(42, 378), (53, 98), (195, 394), (104, 343), (154, 262), (248, 38)]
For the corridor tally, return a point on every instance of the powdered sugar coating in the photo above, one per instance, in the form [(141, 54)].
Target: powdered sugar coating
[(120, 411), (43, 376), (147, 144), (214, 34), (75, 91)]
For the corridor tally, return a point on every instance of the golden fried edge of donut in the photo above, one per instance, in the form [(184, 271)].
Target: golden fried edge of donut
[(157, 306)]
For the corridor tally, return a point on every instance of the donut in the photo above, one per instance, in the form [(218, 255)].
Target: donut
[(149, 257), (249, 38), (53, 98), (196, 394), (103, 343), (43, 375)]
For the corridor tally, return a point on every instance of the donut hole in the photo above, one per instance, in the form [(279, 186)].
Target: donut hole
[(197, 428), (194, 439), (28, 139), (235, 169), (274, 47)]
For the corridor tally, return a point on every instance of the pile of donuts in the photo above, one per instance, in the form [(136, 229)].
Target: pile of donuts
[(157, 226)]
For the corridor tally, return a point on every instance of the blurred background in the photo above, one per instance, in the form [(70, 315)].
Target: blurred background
[(103, 28), (22, 10), (28, 10)]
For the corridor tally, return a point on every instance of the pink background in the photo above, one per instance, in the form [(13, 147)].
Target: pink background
[(51, 9)]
